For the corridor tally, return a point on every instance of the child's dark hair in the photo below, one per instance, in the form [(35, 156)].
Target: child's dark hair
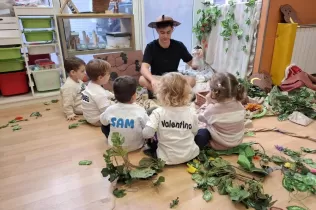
[(96, 68), (164, 24), (224, 86), (124, 88), (73, 63)]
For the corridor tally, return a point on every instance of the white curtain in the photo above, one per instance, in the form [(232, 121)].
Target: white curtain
[(235, 59)]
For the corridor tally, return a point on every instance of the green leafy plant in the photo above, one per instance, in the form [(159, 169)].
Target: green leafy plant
[(295, 208), (16, 127), (127, 172), (208, 19), (252, 90), (174, 203), (300, 100), (76, 125), (119, 193), (216, 172), (308, 150), (36, 115)]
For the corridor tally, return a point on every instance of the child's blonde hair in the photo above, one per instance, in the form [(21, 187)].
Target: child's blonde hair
[(174, 90), (225, 86)]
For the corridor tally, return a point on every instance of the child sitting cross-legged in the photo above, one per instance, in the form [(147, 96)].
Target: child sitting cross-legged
[(175, 122), (224, 114), (125, 117), (95, 99), (71, 91)]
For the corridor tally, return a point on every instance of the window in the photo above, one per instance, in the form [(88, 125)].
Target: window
[(226, 1)]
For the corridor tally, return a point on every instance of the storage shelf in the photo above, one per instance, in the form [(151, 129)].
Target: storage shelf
[(98, 51), (40, 45), (95, 15), (17, 98), (47, 93), (34, 11)]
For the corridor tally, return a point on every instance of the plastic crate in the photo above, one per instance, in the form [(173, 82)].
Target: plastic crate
[(38, 36), (13, 83), (46, 80), (36, 22), (11, 65), (10, 53), (41, 49)]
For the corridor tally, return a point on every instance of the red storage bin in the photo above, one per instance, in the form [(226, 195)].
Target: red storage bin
[(13, 83)]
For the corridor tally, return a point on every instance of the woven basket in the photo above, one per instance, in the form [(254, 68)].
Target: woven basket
[(100, 6), (201, 98)]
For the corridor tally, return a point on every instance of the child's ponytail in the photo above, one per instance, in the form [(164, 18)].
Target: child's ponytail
[(240, 92)]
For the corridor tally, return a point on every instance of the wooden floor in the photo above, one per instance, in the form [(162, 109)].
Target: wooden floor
[(39, 168)]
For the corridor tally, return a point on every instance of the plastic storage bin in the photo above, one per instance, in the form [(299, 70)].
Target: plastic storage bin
[(38, 36), (10, 53), (13, 83), (118, 40), (47, 80), (41, 49), (11, 65), (36, 22), (45, 64)]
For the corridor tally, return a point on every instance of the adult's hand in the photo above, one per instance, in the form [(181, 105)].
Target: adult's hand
[(154, 84)]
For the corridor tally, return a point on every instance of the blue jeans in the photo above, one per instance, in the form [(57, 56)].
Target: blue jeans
[(202, 138)]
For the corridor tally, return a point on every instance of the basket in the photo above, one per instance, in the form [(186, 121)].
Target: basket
[(37, 36), (47, 80), (36, 22), (201, 98), (11, 65), (10, 53), (41, 49), (14, 83), (100, 6)]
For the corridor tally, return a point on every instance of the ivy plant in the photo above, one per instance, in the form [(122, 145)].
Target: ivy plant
[(127, 172)]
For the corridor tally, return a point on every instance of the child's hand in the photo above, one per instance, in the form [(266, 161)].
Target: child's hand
[(72, 117)]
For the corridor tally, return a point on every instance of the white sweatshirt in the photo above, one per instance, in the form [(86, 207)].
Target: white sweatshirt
[(71, 97)]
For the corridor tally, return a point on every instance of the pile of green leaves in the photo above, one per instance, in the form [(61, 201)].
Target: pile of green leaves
[(298, 182), (208, 19), (245, 154), (126, 172), (252, 90), (300, 100), (222, 175)]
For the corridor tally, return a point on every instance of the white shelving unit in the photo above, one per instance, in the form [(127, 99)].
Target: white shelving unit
[(27, 12)]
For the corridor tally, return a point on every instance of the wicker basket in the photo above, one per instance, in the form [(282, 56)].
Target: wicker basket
[(201, 98), (100, 6)]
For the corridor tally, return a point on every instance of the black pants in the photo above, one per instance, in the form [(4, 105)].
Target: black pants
[(106, 130)]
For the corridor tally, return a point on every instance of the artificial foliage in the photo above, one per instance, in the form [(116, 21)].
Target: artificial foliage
[(285, 103), (174, 203), (85, 162), (126, 172), (217, 172), (76, 125), (252, 90)]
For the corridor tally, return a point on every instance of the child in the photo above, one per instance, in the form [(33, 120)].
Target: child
[(224, 114), (125, 117), (71, 91), (175, 122), (95, 99)]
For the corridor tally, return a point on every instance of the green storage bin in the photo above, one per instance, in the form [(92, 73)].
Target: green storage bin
[(36, 22), (10, 53), (11, 65), (37, 36)]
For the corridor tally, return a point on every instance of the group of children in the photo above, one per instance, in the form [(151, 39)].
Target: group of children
[(172, 130)]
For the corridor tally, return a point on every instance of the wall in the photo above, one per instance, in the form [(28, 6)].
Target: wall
[(305, 10)]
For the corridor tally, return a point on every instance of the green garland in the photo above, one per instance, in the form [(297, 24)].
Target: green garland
[(209, 18)]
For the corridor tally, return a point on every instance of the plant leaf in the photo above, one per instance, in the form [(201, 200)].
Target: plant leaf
[(142, 173), (295, 208), (212, 181), (308, 150), (160, 180), (117, 139), (174, 203), (244, 162), (250, 133), (279, 160), (207, 195), (74, 125), (54, 101), (198, 178), (287, 184), (310, 179), (85, 162), (119, 193)]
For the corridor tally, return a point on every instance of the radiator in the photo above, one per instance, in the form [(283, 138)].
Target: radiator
[(304, 52)]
